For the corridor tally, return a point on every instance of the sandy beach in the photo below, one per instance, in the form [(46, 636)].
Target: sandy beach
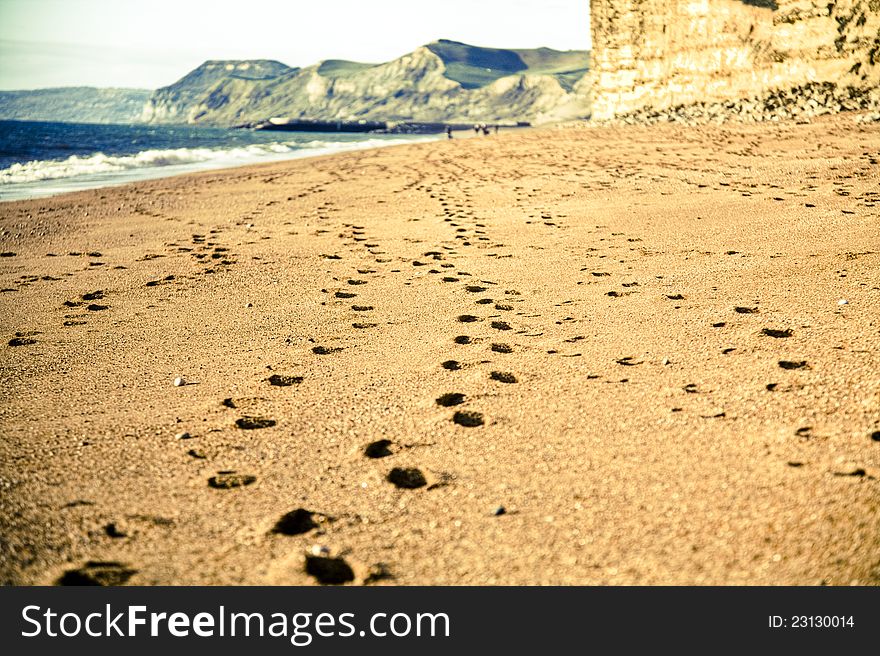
[(613, 355)]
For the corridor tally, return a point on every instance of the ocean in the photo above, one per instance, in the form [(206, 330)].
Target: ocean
[(41, 159)]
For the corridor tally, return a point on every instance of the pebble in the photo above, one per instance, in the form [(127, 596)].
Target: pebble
[(500, 510), (183, 436), (843, 301), (180, 381)]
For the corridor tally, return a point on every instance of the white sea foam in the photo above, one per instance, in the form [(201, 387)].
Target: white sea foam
[(104, 166)]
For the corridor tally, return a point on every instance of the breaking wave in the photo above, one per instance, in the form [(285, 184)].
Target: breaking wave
[(102, 165)]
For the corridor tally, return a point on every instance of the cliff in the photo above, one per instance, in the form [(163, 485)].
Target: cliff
[(442, 81), (74, 105), (663, 53)]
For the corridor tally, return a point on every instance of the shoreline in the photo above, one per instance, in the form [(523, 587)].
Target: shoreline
[(73, 184), (615, 355)]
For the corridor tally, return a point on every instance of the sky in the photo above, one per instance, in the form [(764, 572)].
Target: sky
[(151, 43)]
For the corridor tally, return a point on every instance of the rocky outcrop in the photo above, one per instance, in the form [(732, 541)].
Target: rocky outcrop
[(668, 53), (443, 81)]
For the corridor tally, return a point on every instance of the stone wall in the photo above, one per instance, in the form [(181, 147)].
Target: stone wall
[(663, 53)]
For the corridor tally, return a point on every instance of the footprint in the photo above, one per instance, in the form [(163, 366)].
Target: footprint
[(363, 326), (101, 573), (468, 318), (407, 478), (378, 449), (450, 399), (451, 365), (789, 364), (344, 295), (284, 381), (476, 289), (329, 571), (226, 480), (502, 348), (254, 423), (468, 418), (94, 307), (362, 308), (326, 350), (779, 334), (503, 377), (463, 339), (296, 522), (500, 325), (745, 310)]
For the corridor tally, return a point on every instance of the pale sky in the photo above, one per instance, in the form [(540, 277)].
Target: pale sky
[(152, 43)]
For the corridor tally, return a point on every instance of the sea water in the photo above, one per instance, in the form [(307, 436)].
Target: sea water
[(40, 159)]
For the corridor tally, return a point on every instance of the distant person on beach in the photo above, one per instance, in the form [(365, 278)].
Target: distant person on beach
[(485, 130), (496, 128), (448, 132)]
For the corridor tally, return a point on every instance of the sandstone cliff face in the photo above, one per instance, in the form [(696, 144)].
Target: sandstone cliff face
[(443, 81), (662, 53)]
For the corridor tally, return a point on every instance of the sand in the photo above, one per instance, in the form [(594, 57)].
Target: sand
[(645, 370)]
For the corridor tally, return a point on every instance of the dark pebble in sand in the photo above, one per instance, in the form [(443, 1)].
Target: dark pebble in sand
[(295, 522), (468, 318), (779, 334), (502, 348), (325, 350), (451, 399), (500, 325), (378, 449), (876, 436), (502, 377), (407, 478), (788, 364), (329, 571), (720, 324), (462, 339), (451, 365), (675, 297), (21, 341), (468, 418), (745, 310), (229, 480), (284, 381), (100, 573), (254, 423), (500, 510)]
